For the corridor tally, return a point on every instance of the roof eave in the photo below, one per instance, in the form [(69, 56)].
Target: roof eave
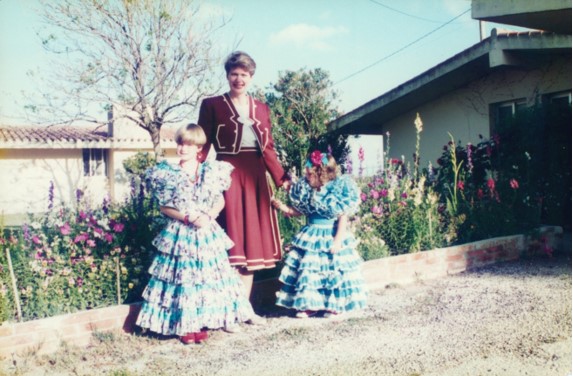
[(447, 76)]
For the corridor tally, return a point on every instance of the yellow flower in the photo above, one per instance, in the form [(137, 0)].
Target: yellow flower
[(418, 123)]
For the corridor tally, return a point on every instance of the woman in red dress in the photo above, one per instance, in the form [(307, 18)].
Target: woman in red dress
[(239, 128)]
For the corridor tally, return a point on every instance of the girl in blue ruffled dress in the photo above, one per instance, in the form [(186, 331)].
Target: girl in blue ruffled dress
[(322, 272), (192, 286)]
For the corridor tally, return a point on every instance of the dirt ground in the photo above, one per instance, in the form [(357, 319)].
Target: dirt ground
[(507, 319)]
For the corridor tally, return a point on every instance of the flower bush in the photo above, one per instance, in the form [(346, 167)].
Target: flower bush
[(78, 258), (484, 197)]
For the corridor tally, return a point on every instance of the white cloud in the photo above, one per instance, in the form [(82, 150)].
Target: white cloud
[(307, 36)]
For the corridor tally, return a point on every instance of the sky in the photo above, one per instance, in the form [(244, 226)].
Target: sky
[(368, 47)]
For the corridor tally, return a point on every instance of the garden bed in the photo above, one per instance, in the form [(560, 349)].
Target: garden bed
[(46, 335)]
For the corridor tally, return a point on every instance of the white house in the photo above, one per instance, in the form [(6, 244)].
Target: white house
[(89, 158), (472, 92)]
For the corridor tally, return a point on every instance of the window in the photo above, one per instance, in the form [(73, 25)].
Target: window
[(504, 112), (95, 162), (560, 100)]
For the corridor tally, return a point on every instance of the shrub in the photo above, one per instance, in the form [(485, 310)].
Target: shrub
[(78, 258)]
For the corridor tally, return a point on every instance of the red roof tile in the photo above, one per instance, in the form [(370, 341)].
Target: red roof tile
[(91, 136)]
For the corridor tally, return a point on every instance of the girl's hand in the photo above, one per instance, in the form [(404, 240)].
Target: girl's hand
[(286, 185), (276, 203), (202, 221), (336, 246)]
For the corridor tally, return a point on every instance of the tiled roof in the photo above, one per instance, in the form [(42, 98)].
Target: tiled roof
[(40, 137)]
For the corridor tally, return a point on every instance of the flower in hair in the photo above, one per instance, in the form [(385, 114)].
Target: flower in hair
[(317, 159)]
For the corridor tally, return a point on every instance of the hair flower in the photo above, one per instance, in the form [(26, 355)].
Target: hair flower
[(316, 158)]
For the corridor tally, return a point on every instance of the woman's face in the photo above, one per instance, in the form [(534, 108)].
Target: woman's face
[(188, 151), (239, 80)]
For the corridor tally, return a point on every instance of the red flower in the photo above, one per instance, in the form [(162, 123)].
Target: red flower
[(461, 185), (513, 184), (491, 184), (316, 158)]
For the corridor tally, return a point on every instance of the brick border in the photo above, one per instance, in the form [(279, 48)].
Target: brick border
[(46, 335)]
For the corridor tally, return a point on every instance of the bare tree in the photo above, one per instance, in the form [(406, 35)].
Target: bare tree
[(151, 59)]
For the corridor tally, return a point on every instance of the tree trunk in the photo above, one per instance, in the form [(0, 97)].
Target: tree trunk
[(154, 131)]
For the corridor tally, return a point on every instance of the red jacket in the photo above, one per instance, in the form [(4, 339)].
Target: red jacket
[(219, 119)]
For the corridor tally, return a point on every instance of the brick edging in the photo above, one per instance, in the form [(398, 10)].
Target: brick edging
[(46, 335)]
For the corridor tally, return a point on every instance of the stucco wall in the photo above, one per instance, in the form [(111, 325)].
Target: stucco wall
[(26, 176), (465, 112)]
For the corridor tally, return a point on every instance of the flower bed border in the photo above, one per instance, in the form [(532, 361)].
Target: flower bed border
[(46, 335)]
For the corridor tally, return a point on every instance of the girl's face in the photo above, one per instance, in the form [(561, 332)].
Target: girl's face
[(239, 80), (188, 151)]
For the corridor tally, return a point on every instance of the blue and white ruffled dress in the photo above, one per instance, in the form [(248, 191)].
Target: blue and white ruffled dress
[(192, 284), (314, 278)]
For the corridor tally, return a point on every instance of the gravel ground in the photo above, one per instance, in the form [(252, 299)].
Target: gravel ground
[(507, 319)]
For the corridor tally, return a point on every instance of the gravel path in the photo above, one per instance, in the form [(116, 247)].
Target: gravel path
[(508, 319)]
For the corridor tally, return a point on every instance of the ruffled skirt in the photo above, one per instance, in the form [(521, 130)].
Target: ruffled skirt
[(192, 284), (315, 279)]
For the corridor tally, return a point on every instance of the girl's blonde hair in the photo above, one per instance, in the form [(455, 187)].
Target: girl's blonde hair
[(191, 134), (320, 174)]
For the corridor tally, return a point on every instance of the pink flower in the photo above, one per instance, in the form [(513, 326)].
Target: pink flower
[(36, 240), (81, 238), (108, 237), (404, 195), (480, 193), (461, 185), (491, 184), (384, 193), (91, 243), (65, 229), (376, 210), (316, 158), (363, 196), (361, 154), (374, 194), (513, 184), (118, 227)]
